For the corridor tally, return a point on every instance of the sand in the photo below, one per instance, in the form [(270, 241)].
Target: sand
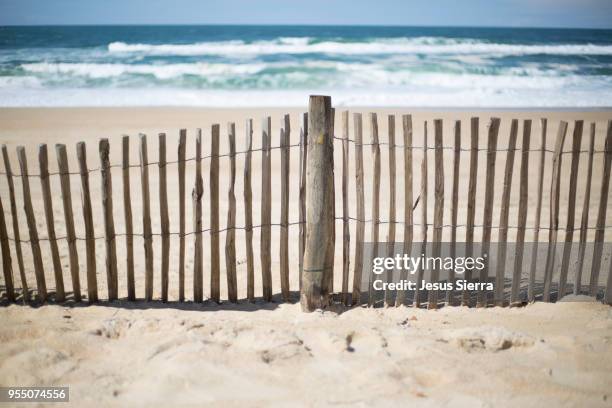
[(266, 354)]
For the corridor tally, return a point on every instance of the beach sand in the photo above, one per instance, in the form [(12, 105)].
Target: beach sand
[(266, 354)]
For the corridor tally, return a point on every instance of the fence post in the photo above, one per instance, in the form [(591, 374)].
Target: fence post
[(359, 195), (391, 230), (502, 238), (266, 210), (43, 164), (375, 200), (146, 218), (127, 213), (423, 200), (454, 206), (90, 244), (488, 208), (181, 175), (16, 235), (538, 213), (230, 234), (163, 217), (196, 197), (248, 212), (62, 164), (285, 133), (601, 220), (29, 210), (554, 210), (584, 221), (319, 205), (471, 202), (7, 266), (215, 255), (109, 225), (346, 235)]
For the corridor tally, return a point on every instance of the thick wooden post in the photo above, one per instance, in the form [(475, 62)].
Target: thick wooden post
[(266, 210), (16, 235), (181, 174), (502, 238), (471, 202), (538, 214), (488, 208), (584, 221), (554, 210), (319, 208), (230, 233), (64, 174), (163, 217), (127, 214), (7, 266), (400, 298), (109, 224), (285, 133), (30, 217), (215, 256), (90, 243), (359, 194), (522, 214), (438, 210), (389, 301), (571, 206), (248, 212), (601, 219), (198, 249), (454, 208), (43, 164), (375, 201), (146, 218)]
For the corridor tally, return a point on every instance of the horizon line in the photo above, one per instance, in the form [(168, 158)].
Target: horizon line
[(297, 25)]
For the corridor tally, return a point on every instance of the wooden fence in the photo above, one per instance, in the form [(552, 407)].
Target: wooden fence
[(317, 216)]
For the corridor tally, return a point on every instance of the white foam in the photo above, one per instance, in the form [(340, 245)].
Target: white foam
[(420, 45)]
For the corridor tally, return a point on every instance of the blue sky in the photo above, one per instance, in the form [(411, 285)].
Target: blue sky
[(512, 13)]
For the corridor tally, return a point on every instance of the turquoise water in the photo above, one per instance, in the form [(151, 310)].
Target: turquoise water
[(278, 65)]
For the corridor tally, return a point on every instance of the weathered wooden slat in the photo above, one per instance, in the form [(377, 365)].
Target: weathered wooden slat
[(423, 202), (329, 272), (522, 215), (7, 264), (64, 175), (230, 234), (198, 249), (601, 219), (389, 301), (163, 217), (438, 209), (248, 212), (571, 206), (90, 244), (39, 270), (375, 200), (400, 298), (285, 135), (346, 234), (109, 224), (454, 207), (538, 213), (302, 209), (488, 208), (16, 235), (266, 210), (215, 257), (43, 164), (360, 221), (181, 175), (502, 238), (146, 218), (554, 210), (584, 221), (319, 211), (127, 216), (471, 202)]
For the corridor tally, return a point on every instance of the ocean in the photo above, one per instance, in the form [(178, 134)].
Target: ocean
[(237, 66)]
